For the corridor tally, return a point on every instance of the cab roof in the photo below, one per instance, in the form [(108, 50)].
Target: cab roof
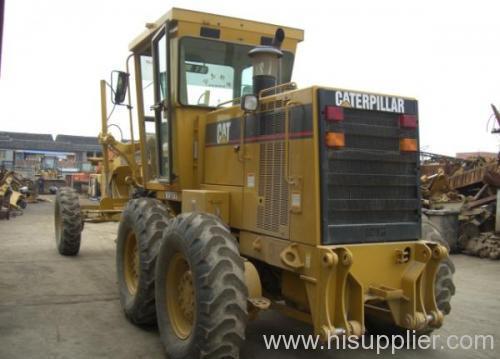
[(212, 21)]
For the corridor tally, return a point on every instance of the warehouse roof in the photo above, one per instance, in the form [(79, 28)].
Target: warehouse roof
[(80, 140), (45, 142)]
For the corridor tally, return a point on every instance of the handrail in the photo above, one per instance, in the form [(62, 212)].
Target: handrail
[(129, 99), (291, 85), (104, 132), (287, 140), (229, 101)]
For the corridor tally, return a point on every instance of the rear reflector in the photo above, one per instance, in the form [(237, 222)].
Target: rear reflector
[(334, 113), (335, 139), (408, 121), (408, 145)]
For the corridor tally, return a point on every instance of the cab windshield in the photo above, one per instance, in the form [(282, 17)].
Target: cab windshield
[(213, 72)]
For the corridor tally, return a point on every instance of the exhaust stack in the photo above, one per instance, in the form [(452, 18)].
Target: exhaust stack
[(266, 63)]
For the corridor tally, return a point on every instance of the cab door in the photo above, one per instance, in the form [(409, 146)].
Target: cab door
[(162, 103)]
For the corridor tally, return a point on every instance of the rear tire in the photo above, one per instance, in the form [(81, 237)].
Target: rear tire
[(444, 286), (139, 235), (201, 296), (68, 222)]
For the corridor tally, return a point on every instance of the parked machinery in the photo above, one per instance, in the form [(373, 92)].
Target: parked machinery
[(243, 191), (15, 192)]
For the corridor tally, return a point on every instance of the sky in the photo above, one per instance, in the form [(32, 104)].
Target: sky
[(444, 53)]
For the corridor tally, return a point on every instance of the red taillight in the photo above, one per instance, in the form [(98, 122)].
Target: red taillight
[(408, 121), (334, 113)]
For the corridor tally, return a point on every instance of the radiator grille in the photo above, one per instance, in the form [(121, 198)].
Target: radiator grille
[(370, 189), (272, 213)]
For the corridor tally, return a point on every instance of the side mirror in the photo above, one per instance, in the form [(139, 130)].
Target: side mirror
[(119, 84), (249, 103)]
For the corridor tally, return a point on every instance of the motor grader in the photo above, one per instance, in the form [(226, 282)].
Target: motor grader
[(243, 193)]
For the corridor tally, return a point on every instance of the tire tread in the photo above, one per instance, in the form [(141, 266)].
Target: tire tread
[(67, 202)]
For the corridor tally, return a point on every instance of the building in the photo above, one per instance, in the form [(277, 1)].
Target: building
[(31, 152)]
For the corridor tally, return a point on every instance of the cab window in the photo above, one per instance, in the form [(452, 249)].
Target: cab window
[(214, 72)]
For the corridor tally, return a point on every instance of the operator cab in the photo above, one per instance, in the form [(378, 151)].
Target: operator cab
[(188, 64)]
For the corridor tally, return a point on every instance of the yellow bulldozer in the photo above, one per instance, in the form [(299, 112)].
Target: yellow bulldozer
[(244, 193)]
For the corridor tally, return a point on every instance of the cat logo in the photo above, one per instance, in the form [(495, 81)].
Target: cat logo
[(372, 102), (223, 132)]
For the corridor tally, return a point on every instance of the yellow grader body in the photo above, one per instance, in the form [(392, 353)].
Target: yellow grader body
[(317, 186)]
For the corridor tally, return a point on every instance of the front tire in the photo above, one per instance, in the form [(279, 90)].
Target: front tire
[(200, 290), (139, 235), (68, 221)]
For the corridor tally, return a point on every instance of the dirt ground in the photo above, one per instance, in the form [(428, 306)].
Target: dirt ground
[(57, 307)]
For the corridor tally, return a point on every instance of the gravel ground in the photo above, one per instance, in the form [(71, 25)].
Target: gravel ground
[(57, 307)]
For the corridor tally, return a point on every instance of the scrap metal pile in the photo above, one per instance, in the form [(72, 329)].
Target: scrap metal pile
[(464, 191), (15, 193)]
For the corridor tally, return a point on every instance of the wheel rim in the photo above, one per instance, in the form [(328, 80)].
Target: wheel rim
[(180, 298), (131, 263)]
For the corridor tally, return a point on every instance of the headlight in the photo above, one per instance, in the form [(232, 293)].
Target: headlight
[(249, 103)]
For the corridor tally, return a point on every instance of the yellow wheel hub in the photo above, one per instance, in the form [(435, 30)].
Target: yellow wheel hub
[(131, 263), (180, 298)]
